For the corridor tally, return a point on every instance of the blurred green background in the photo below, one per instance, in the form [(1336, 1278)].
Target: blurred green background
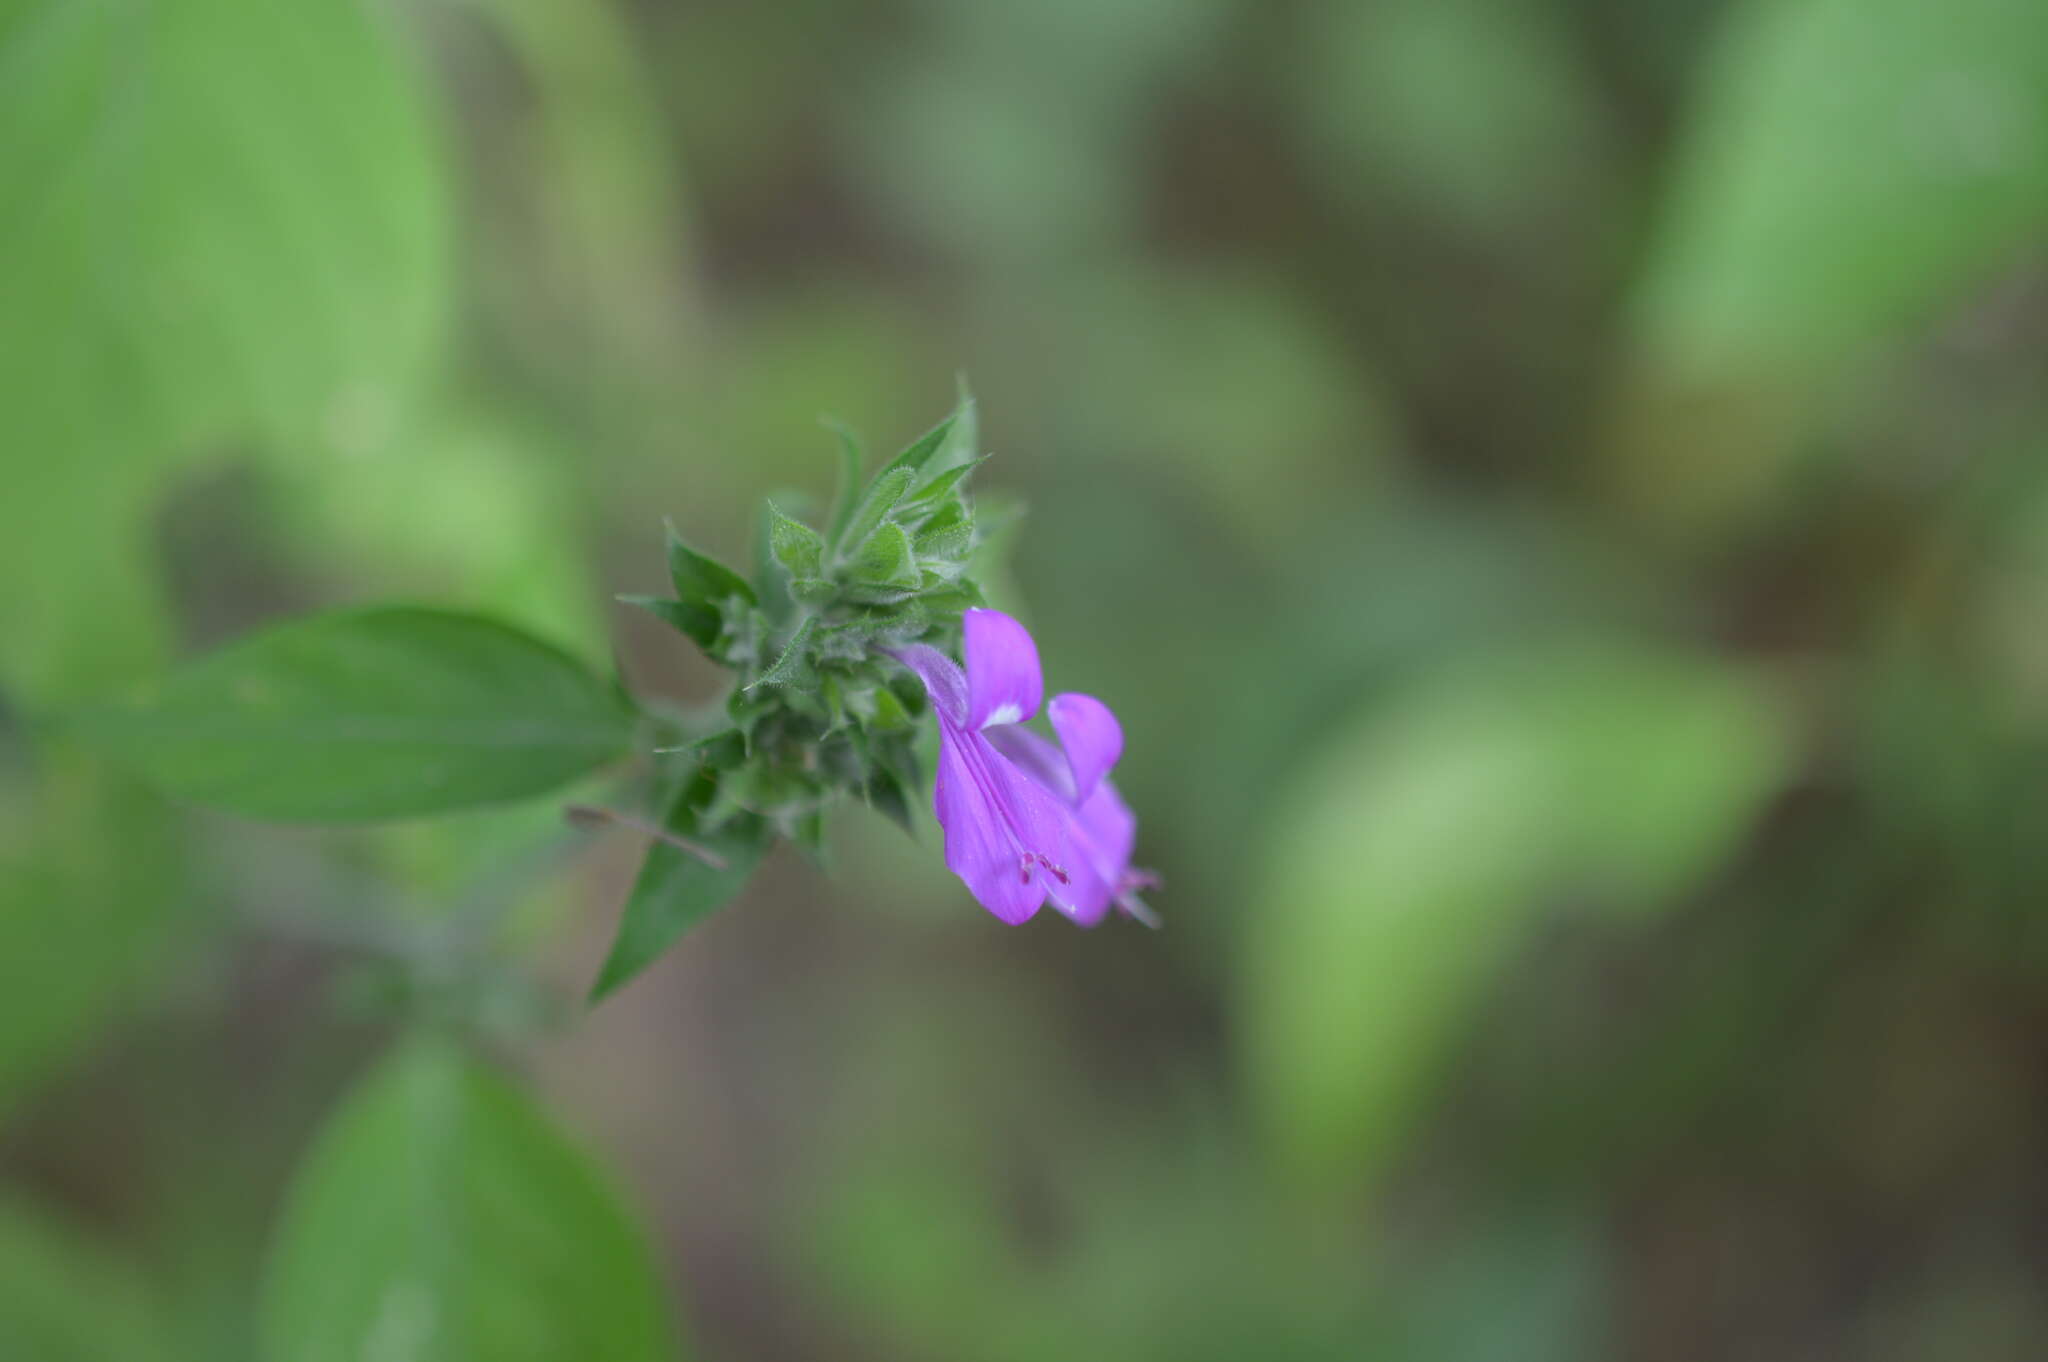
[(1556, 489)]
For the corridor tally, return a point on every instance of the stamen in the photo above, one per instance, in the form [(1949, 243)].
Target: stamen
[(1138, 909)]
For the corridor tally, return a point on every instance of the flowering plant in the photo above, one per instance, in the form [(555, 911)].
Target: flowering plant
[(840, 641)]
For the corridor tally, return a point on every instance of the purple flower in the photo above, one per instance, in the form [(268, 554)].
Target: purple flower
[(1025, 819)]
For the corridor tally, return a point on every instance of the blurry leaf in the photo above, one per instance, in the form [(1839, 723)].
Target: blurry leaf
[(1186, 371), (1481, 110), (469, 508), (675, 890), (1670, 761), (82, 608), (915, 1240), (440, 1217), (368, 714), (1848, 165), (1411, 860), (808, 834), (1850, 168), (973, 158), (795, 545), (1404, 872), (604, 189), (62, 1299), (219, 217), (885, 793), (88, 900)]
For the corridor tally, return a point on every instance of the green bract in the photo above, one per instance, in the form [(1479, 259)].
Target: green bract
[(891, 571)]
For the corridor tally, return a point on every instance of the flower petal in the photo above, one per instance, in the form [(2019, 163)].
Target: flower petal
[(998, 823), (1085, 897), (1092, 737), (1112, 830), (942, 679), (1037, 757), (1004, 685), (1096, 834), (1096, 851)]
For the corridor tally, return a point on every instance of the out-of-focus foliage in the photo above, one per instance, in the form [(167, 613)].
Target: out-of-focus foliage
[(1412, 860), (89, 895), (1554, 491), (441, 1216), (1847, 170), (221, 220), (65, 1299)]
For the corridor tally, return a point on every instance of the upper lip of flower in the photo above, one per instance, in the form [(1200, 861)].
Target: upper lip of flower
[(1011, 802)]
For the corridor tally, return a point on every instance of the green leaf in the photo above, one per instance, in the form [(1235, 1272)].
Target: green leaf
[(886, 559), (807, 832), (676, 890), (885, 795), (948, 536), (963, 438), (852, 459), (706, 592), (892, 784), (935, 493), (874, 508), (220, 219), (441, 1217), (795, 545), (65, 1299), (770, 581), (793, 668), (814, 590), (951, 598), (913, 459), (368, 714), (1414, 857), (682, 618)]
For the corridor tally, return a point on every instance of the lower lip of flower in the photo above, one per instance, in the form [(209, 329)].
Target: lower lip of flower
[(973, 759)]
